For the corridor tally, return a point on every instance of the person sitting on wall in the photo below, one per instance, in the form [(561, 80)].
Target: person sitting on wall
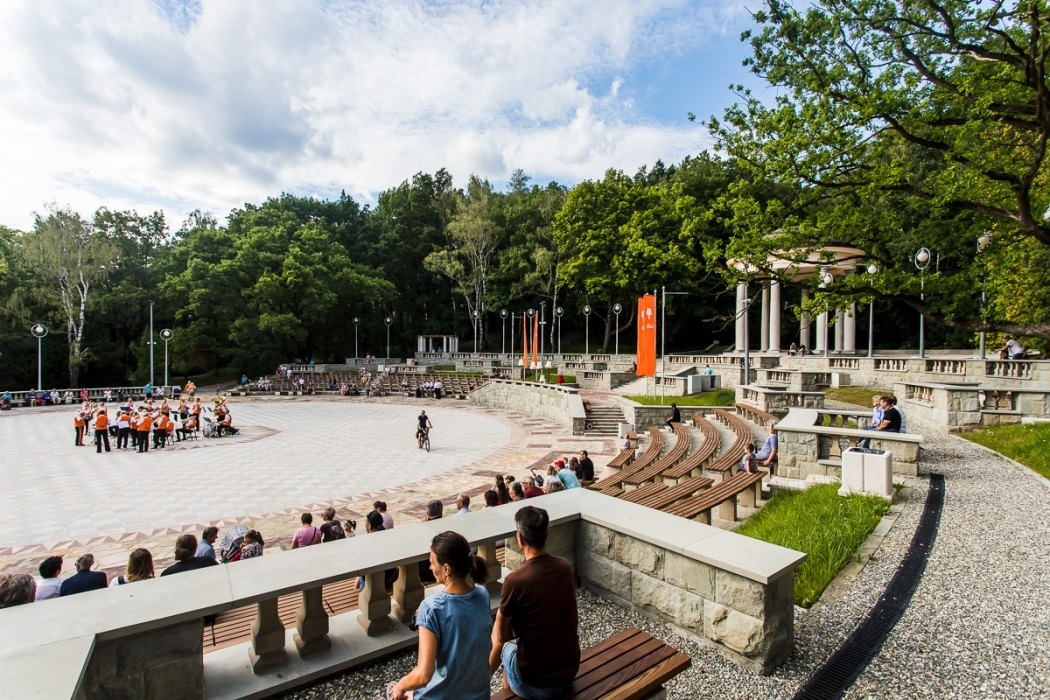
[(676, 416), (891, 417), (185, 559), (768, 453)]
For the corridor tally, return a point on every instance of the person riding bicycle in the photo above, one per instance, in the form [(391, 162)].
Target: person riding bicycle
[(423, 426)]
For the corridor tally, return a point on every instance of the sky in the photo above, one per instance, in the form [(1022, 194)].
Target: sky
[(181, 105)]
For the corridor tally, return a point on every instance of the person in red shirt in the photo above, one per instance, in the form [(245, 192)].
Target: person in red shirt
[(102, 430)]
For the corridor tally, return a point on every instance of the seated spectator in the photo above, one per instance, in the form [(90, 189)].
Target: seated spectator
[(206, 548), (565, 475), (252, 545), (140, 568), (307, 534), (517, 493), (18, 589), (462, 504), (768, 453), (374, 523), (454, 627), (748, 463), (552, 476), (434, 511), (185, 549), (350, 528), (491, 498), (331, 529), (502, 492), (388, 519), (49, 584), (535, 488), (891, 417), (553, 487), (586, 471), (84, 579)]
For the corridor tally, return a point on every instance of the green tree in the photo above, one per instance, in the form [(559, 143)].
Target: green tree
[(65, 252)]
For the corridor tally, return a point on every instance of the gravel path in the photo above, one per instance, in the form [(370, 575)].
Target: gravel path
[(977, 626)]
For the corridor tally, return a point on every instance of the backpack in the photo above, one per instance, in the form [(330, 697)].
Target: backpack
[(332, 531)]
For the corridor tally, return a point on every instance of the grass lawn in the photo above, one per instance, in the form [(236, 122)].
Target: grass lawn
[(719, 397), (859, 395), (1028, 444), (824, 525)]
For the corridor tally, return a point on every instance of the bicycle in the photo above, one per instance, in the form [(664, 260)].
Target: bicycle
[(423, 439)]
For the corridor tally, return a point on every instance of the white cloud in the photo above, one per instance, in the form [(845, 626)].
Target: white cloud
[(183, 105)]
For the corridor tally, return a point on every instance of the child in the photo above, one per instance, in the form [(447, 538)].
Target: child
[(350, 527), (748, 463)]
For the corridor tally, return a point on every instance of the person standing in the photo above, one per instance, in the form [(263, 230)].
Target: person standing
[(123, 428), (536, 635), (102, 430), (143, 428), (78, 426)]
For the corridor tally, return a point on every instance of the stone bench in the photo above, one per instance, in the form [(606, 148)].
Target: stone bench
[(631, 664)]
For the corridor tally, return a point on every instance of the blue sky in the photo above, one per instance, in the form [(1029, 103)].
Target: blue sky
[(207, 104)]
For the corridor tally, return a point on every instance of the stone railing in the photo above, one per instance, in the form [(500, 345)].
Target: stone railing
[(1008, 369), (919, 393), (948, 408), (812, 442), (844, 363), (940, 366), (778, 400), (560, 404), (891, 364), (144, 639)]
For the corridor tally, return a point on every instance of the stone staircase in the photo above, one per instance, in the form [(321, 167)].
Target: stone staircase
[(603, 420)]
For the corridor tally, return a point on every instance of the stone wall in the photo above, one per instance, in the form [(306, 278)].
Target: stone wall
[(751, 622), (162, 663), (562, 405)]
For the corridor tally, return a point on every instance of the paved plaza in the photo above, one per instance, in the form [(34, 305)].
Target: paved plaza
[(292, 455)]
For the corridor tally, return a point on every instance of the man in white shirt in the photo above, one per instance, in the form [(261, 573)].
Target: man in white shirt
[(49, 584)]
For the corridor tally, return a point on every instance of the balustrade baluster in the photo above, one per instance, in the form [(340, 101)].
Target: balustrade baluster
[(374, 604), (311, 623), (408, 592), (267, 647)]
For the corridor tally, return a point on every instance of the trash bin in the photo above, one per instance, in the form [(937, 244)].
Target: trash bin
[(867, 471), (624, 429)]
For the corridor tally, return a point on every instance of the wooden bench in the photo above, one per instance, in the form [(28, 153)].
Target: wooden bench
[(724, 495), (651, 454), (731, 457), (630, 664), (672, 494), (677, 453), (755, 415), (626, 455), (693, 465)]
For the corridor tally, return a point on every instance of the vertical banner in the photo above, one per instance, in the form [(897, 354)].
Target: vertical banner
[(535, 340), (646, 336)]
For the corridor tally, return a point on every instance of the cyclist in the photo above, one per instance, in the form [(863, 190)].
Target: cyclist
[(423, 426)]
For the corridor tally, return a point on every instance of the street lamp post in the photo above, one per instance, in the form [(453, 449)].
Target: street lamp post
[(503, 315), (543, 328), (587, 333), (151, 343), (477, 315), (873, 270), (922, 261), (388, 321), (531, 313), (983, 241), (663, 342), (617, 308), (356, 321), (513, 316), (558, 313), (39, 330), (166, 335), (825, 279)]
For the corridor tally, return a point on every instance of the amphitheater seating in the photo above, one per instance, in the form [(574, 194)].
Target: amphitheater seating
[(693, 464), (723, 495), (677, 453), (731, 457)]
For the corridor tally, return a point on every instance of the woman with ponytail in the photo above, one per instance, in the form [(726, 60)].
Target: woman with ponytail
[(455, 628)]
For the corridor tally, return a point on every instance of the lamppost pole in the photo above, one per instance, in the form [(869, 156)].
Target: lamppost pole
[(873, 269), (388, 321), (166, 335), (587, 332), (826, 279), (559, 312), (531, 313), (476, 316), (617, 308), (39, 330), (151, 343), (983, 241), (503, 347), (512, 322), (922, 261), (356, 321), (543, 330), (663, 342)]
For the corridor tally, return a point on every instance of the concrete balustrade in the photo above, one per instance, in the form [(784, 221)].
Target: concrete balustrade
[(559, 404), (945, 408), (144, 639)]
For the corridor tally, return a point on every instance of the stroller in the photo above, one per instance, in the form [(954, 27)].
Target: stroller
[(230, 544)]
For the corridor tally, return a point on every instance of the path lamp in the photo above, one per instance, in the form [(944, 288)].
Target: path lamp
[(873, 270), (558, 313), (39, 330), (388, 321), (983, 241), (356, 321), (503, 315), (166, 335), (587, 332), (825, 281), (617, 308), (663, 341), (922, 261)]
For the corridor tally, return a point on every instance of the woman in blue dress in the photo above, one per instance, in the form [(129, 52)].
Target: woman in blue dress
[(455, 629)]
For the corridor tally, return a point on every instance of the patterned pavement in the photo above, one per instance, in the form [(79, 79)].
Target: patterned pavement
[(292, 455)]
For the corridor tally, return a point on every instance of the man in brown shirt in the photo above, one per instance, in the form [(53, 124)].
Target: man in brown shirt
[(535, 634)]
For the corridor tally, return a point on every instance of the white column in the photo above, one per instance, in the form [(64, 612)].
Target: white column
[(849, 330), (803, 332), (774, 316), (822, 322), (741, 294), (839, 316), (763, 342)]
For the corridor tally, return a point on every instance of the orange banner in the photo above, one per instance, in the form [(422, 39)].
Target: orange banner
[(535, 340), (646, 336)]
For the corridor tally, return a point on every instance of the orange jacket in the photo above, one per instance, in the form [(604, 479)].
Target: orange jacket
[(101, 422)]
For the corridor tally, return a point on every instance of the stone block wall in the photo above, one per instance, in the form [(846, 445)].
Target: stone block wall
[(751, 622), (163, 663), (563, 406)]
